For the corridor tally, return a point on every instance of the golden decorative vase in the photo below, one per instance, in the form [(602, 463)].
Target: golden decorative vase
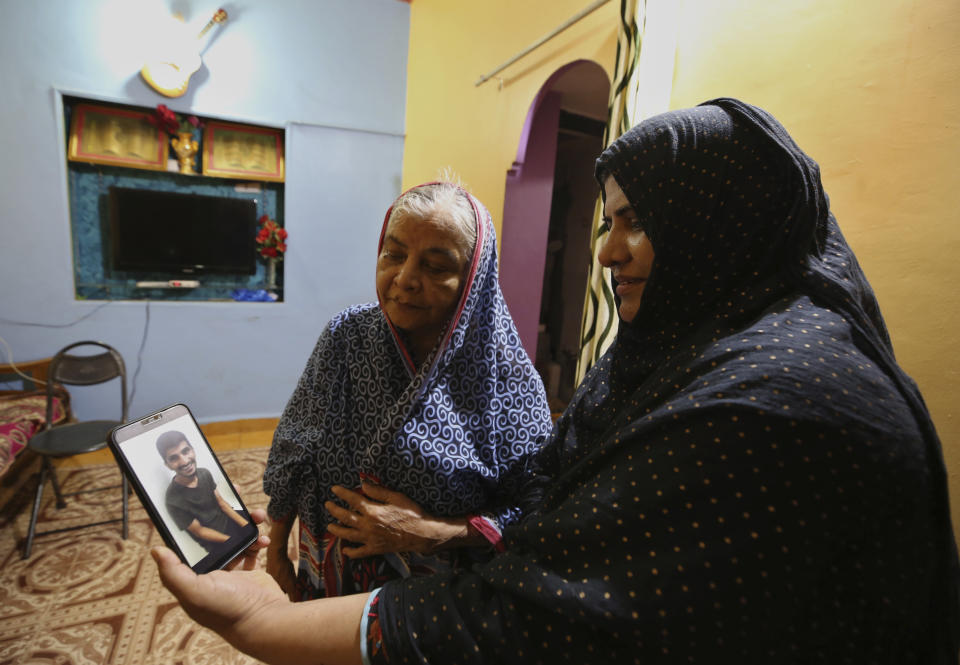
[(186, 148)]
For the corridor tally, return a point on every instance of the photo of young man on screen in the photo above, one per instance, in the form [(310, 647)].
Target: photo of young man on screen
[(192, 499)]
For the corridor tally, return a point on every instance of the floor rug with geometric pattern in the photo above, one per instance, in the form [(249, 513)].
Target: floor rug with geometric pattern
[(88, 597)]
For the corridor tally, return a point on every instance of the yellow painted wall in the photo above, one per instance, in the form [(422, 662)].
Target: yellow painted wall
[(475, 130), (871, 90)]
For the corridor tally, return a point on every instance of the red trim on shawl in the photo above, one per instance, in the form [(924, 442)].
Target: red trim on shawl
[(331, 572), (369, 478), (471, 274), (329, 568)]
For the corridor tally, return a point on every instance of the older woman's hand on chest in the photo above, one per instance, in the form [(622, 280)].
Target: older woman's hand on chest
[(380, 521)]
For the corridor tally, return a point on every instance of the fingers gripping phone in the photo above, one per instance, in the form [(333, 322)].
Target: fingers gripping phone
[(183, 487)]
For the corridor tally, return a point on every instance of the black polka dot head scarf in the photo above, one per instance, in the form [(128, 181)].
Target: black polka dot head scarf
[(726, 209), (737, 216)]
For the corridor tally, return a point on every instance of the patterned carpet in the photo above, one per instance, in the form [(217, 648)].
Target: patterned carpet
[(88, 597)]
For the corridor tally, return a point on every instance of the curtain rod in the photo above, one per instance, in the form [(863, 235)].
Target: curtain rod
[(541, 41)]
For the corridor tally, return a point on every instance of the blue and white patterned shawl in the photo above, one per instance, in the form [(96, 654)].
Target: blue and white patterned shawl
[(453, 435)]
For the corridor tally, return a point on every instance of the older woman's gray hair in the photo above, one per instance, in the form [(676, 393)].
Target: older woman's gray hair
[(443, 202)]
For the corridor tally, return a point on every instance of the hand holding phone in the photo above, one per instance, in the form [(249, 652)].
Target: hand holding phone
[(183, 487)]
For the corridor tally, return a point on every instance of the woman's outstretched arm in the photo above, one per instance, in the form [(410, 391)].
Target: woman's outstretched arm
[(248, 609)]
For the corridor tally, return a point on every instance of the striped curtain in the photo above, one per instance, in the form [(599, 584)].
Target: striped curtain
[(599, 325)]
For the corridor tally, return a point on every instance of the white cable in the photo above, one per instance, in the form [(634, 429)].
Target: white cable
[(14, 367)]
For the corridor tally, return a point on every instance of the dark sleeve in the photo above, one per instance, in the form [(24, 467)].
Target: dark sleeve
[(182, 516), (519, 488), (207, 482), (725, 536), (517, 494), (526, 481)]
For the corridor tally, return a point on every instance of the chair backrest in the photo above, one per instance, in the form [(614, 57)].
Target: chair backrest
[(86, 370)]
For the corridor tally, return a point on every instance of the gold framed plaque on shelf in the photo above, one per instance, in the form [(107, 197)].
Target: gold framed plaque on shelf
[(242, 151), (116, 136)]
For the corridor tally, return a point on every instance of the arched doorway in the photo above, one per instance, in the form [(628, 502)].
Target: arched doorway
[(548, 210)]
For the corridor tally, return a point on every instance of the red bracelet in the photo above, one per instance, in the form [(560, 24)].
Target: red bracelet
[(489, 532)]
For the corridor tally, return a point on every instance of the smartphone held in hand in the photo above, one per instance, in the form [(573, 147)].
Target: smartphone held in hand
[(181, 483)]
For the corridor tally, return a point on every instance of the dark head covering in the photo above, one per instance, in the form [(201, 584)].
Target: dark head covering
[(737, 216), (746, 475)]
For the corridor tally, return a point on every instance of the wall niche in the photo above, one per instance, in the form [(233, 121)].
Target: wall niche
[(163, 209)]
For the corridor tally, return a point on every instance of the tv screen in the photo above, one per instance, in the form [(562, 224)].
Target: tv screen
[(156, 231)]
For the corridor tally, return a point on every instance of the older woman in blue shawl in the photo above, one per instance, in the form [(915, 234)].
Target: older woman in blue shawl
[(428, 393), (747, 476)]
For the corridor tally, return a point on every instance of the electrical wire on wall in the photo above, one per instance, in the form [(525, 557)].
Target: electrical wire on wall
[(13, 366), (143, 343), (56, 325)]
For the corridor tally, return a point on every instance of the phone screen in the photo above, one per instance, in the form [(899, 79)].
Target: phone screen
[(181, 483)]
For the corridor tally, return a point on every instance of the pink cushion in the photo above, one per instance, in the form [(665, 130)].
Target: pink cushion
[(20, 417)]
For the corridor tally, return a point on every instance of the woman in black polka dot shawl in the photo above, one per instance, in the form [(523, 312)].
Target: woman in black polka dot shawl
[(747, 476)]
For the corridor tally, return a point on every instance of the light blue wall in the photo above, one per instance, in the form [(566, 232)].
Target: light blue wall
[(332, 72)]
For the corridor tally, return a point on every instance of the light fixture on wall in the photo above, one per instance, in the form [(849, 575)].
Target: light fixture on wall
[(170, 74)]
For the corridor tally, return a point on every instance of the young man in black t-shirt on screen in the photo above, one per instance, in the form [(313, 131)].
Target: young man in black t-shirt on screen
[(192, 498)]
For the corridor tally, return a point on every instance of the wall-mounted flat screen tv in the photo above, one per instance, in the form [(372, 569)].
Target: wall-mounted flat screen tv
[(157, 231)]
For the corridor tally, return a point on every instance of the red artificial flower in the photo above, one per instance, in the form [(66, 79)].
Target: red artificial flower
[(271, 238), (168, 121), (166, 114)]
